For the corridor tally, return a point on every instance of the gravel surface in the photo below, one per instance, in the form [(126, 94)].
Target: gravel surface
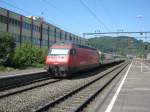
[(73, 102), (28, 100), (32, 98), (27, 87)]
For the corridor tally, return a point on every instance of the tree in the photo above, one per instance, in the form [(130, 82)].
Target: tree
[(7, 46), (121, 45)]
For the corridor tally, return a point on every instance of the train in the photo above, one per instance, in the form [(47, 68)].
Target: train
[(67, 57)]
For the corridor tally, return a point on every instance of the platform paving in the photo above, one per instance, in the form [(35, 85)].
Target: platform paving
[(134, 96)]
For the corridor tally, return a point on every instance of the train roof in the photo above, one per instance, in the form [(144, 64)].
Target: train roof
[(74, 43)]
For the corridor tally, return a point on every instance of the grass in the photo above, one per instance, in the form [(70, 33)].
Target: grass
[(4, 69)]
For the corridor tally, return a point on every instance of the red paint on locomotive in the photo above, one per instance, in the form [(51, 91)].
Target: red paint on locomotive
[(70, 57)]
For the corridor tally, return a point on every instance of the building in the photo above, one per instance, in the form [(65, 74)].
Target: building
[(33, 30)]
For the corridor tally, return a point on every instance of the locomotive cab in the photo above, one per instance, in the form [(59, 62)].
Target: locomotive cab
[(68, 57), (57, 60), (61, 59)]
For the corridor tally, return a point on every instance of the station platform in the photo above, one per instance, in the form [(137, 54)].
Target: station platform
[(133, 91), (21, 72)]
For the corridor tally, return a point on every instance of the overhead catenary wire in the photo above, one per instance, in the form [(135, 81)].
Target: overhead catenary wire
[(94, 15), (25, 11), (11, 5), (107, 12), (60, 11), (49, 3)]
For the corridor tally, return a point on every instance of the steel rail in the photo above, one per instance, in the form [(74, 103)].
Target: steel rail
[(97, 92), (9, 82), (62, 98), (28, 86)]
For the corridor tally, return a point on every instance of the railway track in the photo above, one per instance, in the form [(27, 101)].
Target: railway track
[(9, 82), (26, 82), (79, 98), (29, 97), (28, 86)]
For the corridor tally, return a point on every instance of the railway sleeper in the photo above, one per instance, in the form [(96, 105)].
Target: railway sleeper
[(83, 98)]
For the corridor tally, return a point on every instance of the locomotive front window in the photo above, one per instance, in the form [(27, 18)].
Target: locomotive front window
[(73, 52), (58, 51)]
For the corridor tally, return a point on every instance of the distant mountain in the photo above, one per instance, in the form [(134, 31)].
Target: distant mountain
[(121, 45)]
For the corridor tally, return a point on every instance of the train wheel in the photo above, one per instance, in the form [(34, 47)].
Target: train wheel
[(56, 71), (49, 70), (64, 74)]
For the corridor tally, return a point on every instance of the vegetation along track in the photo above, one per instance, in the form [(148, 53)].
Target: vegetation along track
[(77, 99)]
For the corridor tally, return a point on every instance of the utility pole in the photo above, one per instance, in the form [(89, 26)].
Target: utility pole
[(41, 29), (140, 17)]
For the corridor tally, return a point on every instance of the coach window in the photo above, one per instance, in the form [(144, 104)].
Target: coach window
[(3, 19), (73, 52)]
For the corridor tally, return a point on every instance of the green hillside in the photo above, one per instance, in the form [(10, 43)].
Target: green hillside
[(121, 45)]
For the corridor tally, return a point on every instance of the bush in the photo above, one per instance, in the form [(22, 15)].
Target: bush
[(19, 57), (27, 55), (7, 47)]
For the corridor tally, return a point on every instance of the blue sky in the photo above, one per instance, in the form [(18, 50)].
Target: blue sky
[(72, 16)]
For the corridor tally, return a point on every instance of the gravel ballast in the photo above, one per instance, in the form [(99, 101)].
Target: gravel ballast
[(29, 100)]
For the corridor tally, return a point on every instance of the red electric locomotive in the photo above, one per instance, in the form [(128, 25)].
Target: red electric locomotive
[(68, 57)]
